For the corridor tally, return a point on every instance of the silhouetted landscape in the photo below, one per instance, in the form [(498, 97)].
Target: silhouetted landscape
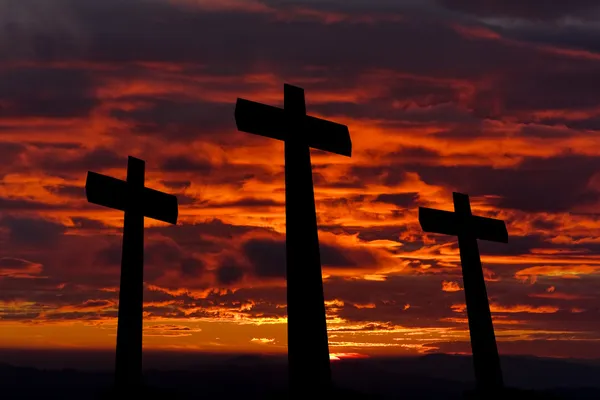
[(194, 376)]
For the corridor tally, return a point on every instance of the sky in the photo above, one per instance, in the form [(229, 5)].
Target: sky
[(500, 102)]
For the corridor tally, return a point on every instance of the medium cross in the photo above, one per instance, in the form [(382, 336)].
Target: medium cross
[(469, 228), (137, 202), (308, 349)]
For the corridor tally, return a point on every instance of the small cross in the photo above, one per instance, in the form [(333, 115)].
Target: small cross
[(469, 228), (137, 202)]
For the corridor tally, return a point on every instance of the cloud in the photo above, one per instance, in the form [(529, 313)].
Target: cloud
[(262, 340), (97, 159), (229, 273), (44, 92), (527, 9), (501, 109), (32, 231), (191, 266), (178, 119), (267, 257), (519, 308), (402, 200), (18, 268), (450, 286), (167, 330), (524, 187)]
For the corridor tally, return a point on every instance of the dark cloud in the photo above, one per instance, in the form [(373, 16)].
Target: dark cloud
[(46, 92), (335, 256), (414, 152), (186, 164), (202, 236), (26, 231), (546, 132), (403, 101), (546, 225), (179, 119), (19, 268), (551, 184), (94, 304), (77, 192), (254, 38), (528, 9), (229, 273), (384, 232), (109, 256), (191, 266), (535, 88), (86, 223), (247, 202), (10, 152), (162, 252), (56, 145), (94, 160), (267, 257), (177, 185), (402, 200), (8, 204), (468, 65), (13, 263)]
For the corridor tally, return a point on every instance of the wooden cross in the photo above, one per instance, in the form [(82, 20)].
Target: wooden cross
[(469, 228), (137, 202), (308, 349)]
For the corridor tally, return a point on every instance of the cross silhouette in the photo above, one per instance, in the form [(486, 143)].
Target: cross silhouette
[(469, 228), (137, 202), (308, 349)]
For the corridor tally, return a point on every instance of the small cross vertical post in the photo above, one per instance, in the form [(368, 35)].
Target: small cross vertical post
[(308, 349), (137, 202), (469, 228)]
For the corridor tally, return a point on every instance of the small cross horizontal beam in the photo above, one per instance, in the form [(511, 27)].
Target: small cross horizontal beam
[(113, 193)]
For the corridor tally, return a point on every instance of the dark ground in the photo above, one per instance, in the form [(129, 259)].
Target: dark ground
[(255, 377)]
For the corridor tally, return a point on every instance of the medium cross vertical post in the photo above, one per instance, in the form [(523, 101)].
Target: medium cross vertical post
[(469, 228), (308, 349), (137, 202)]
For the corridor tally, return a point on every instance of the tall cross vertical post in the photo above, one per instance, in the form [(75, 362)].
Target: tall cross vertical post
[(308, 349), (469, 228), (137, 202)]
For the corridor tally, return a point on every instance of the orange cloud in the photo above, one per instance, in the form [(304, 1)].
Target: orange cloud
[(521, 308), (262, 340), (561, 271), (342, 356), (450, 286)]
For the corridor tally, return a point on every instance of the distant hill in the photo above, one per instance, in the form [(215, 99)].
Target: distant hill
[(263, 377)]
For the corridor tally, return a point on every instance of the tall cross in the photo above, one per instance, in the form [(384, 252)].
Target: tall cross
[(308, 349), (137, 202), (469, 228)]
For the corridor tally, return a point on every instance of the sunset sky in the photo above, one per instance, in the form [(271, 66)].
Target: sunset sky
[(501, 102)]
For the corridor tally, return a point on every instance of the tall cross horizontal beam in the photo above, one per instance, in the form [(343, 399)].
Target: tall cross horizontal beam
[(276, 123)]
